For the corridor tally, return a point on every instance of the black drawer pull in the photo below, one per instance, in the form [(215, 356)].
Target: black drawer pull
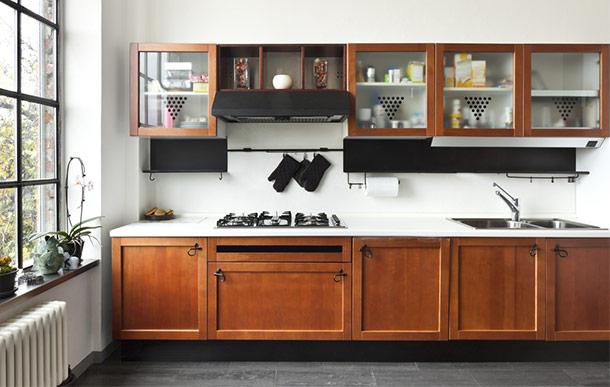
[(220, 275), (534, 250), (193, 250), (366, 251), (563, 253), (337, 277)]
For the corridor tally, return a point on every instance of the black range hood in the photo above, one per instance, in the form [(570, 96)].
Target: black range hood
[(280, 106)]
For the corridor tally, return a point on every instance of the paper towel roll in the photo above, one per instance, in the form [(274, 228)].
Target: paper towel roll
[(381, 187)]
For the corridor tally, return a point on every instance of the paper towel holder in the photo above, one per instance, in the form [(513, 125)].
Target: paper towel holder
[(359, 185)]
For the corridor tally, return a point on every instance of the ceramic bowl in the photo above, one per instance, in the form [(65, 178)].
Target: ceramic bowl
[(282, 81)]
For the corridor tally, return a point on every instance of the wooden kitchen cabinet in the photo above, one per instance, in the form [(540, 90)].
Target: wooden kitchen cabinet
[(567, 90), (497, 289), (401, 288), (279, 301), (279, 288), (487, 97), (394, 108), (158, 288), (578, 289), (164, 102)]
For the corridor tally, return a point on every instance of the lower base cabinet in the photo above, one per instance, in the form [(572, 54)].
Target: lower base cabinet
[(497, 289), (158, 288), (578, 289), (401, 288)]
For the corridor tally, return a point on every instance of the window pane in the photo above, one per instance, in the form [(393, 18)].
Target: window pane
[(39, 215), (7, 139), (37, 141), (8, 236), (45, 8), (37, 58), (8, 48)]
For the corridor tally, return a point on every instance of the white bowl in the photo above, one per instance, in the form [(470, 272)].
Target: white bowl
[(282, 81)]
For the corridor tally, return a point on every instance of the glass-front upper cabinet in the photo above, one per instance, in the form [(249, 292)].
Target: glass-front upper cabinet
[(391, 87), (478, 90), (566, 90), (172, 87)]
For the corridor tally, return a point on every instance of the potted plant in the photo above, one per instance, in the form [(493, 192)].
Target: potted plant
[(7, 275), (49, 256), (72, 241)]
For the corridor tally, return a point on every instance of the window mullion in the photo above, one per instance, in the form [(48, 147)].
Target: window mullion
[(19, 220)]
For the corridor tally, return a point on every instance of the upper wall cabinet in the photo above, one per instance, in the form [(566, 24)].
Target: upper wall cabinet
[(298, 67), (566, 90), (391, 89), (172, 89), (479, 90)]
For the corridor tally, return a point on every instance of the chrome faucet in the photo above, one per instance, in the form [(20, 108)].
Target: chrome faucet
[(511, 202)]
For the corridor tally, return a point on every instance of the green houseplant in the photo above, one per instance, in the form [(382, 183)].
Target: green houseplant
[(72, 241), (7, 275)]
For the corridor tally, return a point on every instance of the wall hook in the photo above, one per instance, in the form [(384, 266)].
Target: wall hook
[(150, 177), (220, 177)]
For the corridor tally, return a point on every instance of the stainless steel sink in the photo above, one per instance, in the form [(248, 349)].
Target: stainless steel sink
[(559, 224), (494, 223), (490, 223)]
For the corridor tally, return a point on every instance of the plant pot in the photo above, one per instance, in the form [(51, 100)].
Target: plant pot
[(74, 248), (7, 281)]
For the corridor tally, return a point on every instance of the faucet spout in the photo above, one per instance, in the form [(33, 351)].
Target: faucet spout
[(511, 202)]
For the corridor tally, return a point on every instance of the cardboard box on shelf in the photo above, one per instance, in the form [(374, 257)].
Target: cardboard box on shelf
[(479, 76), (462, 65)]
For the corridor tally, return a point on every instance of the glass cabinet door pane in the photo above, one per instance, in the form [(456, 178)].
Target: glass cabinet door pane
[(565, 90), (173, 90), (390, 90), (478, 90)]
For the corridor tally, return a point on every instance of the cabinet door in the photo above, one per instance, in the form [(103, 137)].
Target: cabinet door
[(479, 90), (279, 301), (158, 288), (401, 288), (401, 106), (497, 289), (578, 289), (567, 90), (170, 95)]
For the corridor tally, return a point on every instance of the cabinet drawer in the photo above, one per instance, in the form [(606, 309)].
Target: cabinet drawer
[(287, 301), (279, 249)]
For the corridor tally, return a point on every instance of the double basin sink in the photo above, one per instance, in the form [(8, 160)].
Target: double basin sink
[(545, 224)]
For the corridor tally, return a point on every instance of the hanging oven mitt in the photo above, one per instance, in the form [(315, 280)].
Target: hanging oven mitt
[(298, 176), (283, 173), (314, 173)]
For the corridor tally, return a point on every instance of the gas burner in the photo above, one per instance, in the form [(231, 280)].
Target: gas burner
[(278, 220), (284, 219), (232, 220)]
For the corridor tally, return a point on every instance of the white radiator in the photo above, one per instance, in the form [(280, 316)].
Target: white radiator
[(34, 347)]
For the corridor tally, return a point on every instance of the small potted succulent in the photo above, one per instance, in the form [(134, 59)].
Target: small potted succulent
[(7, 275), (49, 256)]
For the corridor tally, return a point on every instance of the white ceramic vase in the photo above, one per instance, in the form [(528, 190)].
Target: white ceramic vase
[(282, 81)]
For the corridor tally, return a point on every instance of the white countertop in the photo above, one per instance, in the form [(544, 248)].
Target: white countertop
[(358, 225)]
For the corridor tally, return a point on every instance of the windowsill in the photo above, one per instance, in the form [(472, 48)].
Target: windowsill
[(25, 292)]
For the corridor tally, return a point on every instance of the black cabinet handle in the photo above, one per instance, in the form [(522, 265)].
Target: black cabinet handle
[(563, 253), (337, 277), (220, 275), (193, 250), (366, 251), (534, 250)]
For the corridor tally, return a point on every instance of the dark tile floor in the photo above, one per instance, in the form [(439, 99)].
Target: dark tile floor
[(113, 372)]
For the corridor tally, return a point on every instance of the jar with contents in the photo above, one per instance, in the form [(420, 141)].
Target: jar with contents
[(241, 73), (320, 73), (508, 117), (456, 116)]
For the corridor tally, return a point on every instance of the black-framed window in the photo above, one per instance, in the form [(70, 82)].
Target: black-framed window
[(29, 113)]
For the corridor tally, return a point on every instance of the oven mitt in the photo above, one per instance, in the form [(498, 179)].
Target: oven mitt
[(298, 176), (314, 173), (283, 173)]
